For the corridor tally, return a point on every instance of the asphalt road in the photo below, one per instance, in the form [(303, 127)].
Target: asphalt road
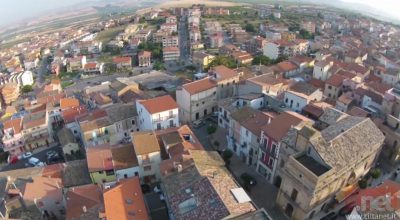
[(24, 162), (183, 40), (41, 72)]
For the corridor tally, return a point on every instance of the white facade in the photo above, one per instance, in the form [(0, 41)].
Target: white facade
[(156, 121), (271, 50), (196, 106), (321, 72), (149, 165), (297, 103), (22, 79), (128, 172)]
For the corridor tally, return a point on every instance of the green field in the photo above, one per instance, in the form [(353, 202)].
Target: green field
[(109, 34)]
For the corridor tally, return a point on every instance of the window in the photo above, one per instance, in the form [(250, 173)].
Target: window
[(147, 168), (329, 87), (171, 123), (286, 100), (158, 126), (270, 162), (136, 174), (171, 113), (282, 164), (109, 172), (106, 131), (247, 133), (293, 196), (133, 122), (125, 176)]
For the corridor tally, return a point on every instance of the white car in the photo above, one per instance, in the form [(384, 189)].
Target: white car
[(35, 162), (27, 155)]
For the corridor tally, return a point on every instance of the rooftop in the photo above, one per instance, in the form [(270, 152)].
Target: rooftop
[(125, 201), (124, 156), (199, 85), (159, 104), (145, 142), (99, 158), (312, 164)]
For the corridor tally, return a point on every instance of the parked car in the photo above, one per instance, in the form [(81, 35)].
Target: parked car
[(198, 123), (54, 159), (27, 155), (247, 178), (35, 162), (51, 153)]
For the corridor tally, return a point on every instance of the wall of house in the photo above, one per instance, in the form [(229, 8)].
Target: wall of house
[(129, 172), (295, 102), (321, 73), (271, 50), (203, 104), (149, 121), (154, 164), (331, 91)]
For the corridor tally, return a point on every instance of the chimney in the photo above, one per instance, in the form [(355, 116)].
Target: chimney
[(84, 209), (180, 168), (269, 120)]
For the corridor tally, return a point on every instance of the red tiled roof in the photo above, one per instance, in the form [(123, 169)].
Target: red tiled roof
[(287, 66), (281, 124), (223, 72), (15, 124), (90, 65), (122, 59), (159, 104), (199, 85), (69, 115), (335, 80)]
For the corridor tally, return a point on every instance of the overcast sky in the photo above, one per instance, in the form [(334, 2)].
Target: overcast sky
[(16, 10), (391, 7)]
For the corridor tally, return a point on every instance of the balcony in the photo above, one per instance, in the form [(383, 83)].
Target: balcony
[(165, 118)]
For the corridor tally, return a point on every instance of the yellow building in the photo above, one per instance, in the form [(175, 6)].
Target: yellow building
[(201, 59)]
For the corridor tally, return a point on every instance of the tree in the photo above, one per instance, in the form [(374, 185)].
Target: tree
[(227, 155), (375, 173), (158, 66), (362, 183), (250, 27), (27, 88), (223, 60), (211, 129), (263, 60), (305, 34)]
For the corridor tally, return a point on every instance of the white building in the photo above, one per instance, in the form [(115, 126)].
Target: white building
[(157, 113), (321, 70), (300, 95), (171, 54), (22, 79), (125, 161)]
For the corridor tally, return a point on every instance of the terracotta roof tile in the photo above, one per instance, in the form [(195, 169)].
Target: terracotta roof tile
[(125, 201), (199, 85), (99, 158), (67, 103), (159, 104)]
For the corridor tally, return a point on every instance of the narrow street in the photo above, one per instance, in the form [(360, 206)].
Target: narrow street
[(183, 39)]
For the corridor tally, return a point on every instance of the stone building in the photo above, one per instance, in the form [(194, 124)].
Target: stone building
[(325, 164)]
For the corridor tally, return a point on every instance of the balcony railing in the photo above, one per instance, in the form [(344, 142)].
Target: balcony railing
[(165, 118)]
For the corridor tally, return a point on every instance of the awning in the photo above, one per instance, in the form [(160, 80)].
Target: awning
[(240, 195)]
